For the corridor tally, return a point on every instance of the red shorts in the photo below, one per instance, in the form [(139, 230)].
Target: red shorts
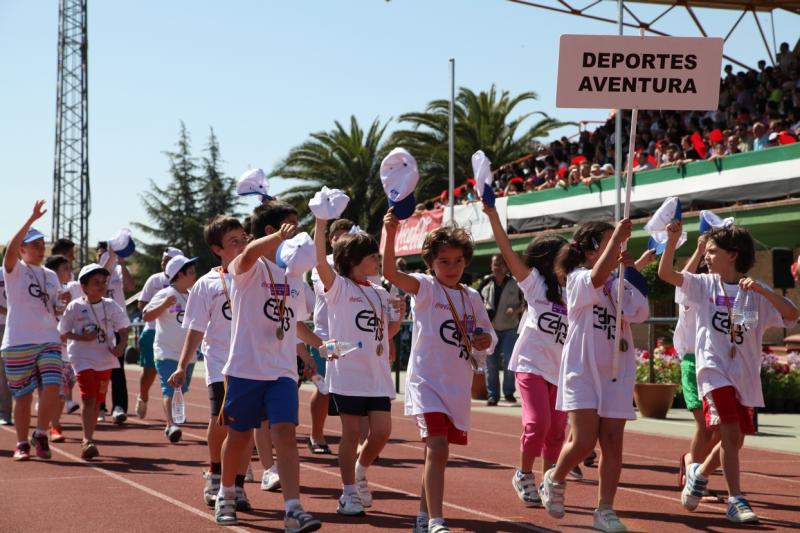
[(93, 383), (440, 425), (720, 406)]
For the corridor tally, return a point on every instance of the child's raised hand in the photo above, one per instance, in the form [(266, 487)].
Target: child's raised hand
[(38, 210), (489, 211), (287, 231), (674, 230), (649, 256), (481, 341), (749, 284), (626, 260), (623, 231), (390, 221)]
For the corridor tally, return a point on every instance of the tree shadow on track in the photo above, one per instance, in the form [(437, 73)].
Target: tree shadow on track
[(663, 469), (333, 493)]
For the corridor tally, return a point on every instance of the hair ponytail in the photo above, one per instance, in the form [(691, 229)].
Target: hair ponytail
[(587, 238), (541, 254)]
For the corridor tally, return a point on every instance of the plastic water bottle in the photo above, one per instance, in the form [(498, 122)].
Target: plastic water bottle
[(342, 348), (178, 407), (737, 313), (319, 382), (394, 297), (750, 310)]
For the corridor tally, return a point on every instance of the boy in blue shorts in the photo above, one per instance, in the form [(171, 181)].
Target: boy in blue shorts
[(261, 371)]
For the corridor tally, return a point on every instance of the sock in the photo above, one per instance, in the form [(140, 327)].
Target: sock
[(216, 468), (732, 499), (239, 480), (226, 493), (273, 468), (520, 474), (604, 506), (349, 489), (438, 521), (361, 471), (289, 505), (422, 516)]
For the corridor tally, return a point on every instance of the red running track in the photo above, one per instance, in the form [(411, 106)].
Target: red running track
[(141, 482)]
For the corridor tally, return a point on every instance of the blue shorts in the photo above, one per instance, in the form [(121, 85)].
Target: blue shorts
[(248, 402), (165, 368), (318, 360), (146, 357)]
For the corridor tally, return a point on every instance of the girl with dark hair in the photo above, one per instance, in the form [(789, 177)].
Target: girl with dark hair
[(537, 353), (597, 400)]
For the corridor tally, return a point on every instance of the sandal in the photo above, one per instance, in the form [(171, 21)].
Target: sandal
[(318, 448)]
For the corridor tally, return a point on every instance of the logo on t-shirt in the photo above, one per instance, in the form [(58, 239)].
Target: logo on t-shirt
[(451, 335), (366, 321), (722, 324), (226, 310), (35, 290), (604, 321), (553, 324), (271, 312)]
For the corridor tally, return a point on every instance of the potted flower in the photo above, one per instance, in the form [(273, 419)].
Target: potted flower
[(658, 377)]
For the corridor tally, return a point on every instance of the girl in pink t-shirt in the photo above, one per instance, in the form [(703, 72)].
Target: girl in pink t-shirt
[(537, 354), (451, 332)]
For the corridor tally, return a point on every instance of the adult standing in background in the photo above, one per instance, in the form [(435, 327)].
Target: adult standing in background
[(503, 301), (6, 400)]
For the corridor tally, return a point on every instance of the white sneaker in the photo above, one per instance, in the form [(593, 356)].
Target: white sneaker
[(608, 521), (552, 495), (118, 415), (211, 488), (72, 406), (420, 524), (439, 528), (350, 505), (248, 476), (525, 486), (141, 407), (270, 480), (363, 492), (739, 511), (101, 415), (173, 433), (694, 488)]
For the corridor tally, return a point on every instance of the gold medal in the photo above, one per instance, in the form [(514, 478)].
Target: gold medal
[(379, 350), (279, 333), (623, 345)]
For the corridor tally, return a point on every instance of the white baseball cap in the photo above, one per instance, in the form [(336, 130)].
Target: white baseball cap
[(176, 264), (171, 252), (669, 210), (710, 220), (399, 177), (122, 243), (328, 204), (253, 181), (91, 268), (33, 234), (482, 170), (297, 255)]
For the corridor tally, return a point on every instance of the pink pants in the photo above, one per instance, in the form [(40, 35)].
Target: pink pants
[(542, 425)]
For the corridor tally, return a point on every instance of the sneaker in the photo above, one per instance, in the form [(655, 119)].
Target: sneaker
[(694, 488), (211, 489), (72, 406), (118, 415), (248, 476), (40, 442), (173, 433), (270, 480), (576, 473), (420, 524), (56, 435), (242, 503), (141, 407), (225, 512), (89, 450), (525, 486), (608, 521), (590, 459), (350, 505), (739, 511), (439, 528), (101, 415), (5, 421), (299, 521), (552, 495), (22, 452), (364, 492), (511, 399)]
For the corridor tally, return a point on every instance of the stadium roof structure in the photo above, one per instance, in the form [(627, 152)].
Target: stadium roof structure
[(752, 7)]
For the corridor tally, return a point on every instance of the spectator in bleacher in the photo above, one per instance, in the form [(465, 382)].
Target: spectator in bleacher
[(760, 136), (733, 146), (503, 301)]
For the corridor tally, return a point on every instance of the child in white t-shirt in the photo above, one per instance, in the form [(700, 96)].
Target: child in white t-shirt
[(261, 371), (360, 384), (728, 357), (536, 357), (89, 324), (31, 347), (208, 321), (597, 405), (451, 330), (167, 308)]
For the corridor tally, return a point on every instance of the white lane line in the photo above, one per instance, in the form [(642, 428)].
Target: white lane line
[(138, 486)]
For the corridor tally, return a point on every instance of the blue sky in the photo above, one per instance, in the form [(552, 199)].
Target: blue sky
[(265, 74)]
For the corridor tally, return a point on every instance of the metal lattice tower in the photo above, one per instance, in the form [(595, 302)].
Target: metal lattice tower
[(71, 173)]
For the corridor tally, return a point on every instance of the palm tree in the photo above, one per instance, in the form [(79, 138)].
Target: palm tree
[(482, 122), (340, 159)]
